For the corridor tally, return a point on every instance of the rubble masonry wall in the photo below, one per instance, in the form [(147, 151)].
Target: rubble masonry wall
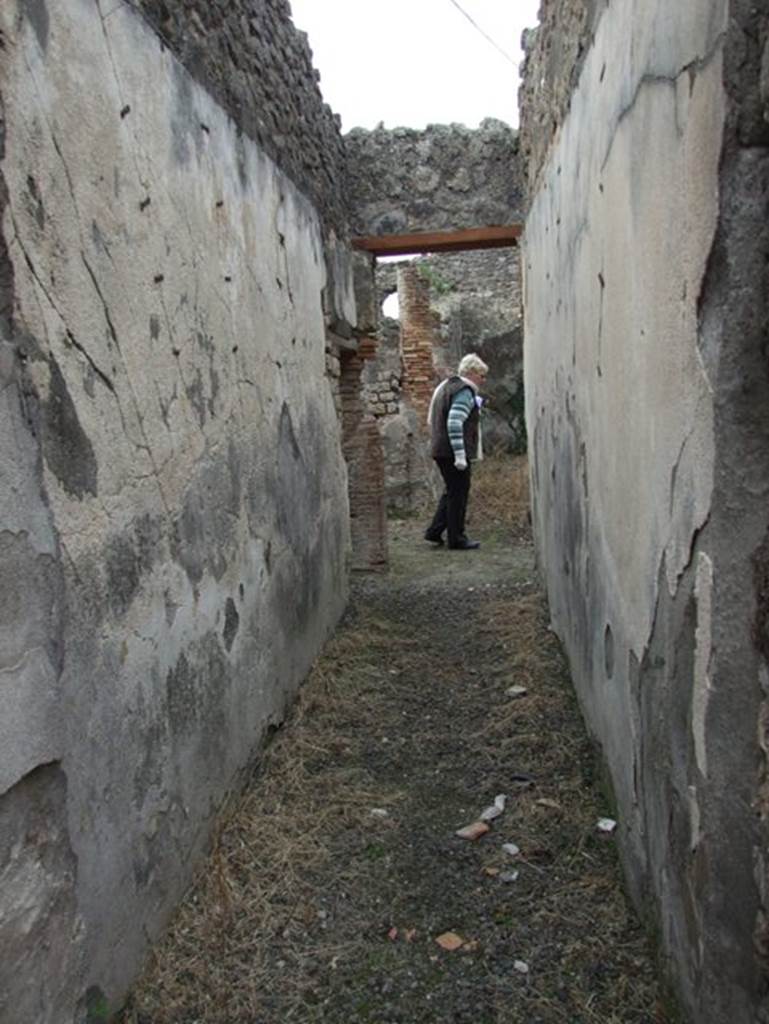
[(441, 178)]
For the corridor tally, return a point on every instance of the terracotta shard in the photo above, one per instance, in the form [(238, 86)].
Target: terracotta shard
[(474, 831), (450, 941)]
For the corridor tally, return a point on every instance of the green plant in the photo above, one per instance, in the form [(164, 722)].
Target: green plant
[(437, 283), (97, 1008), (374, 851)]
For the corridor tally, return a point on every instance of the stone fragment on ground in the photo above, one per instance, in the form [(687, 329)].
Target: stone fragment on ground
[(509, 876), (474, 831), (497, 808), (552, 805), (522, 779), (607, 825)]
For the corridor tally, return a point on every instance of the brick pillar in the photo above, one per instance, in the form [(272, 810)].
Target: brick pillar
[(419, 335), (362, 450)]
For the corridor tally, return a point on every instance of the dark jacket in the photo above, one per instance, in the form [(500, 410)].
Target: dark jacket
[(441, 445)]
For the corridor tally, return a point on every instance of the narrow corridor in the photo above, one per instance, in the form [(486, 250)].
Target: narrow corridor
[(338, 879)]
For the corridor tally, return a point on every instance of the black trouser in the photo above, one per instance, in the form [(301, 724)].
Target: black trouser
[(450, 513)]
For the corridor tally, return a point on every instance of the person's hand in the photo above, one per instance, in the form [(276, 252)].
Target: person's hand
[(460, 462)]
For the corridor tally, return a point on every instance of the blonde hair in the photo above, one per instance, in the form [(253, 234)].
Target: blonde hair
[(471, 362)]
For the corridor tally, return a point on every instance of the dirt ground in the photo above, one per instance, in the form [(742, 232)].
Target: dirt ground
[(337, 871)]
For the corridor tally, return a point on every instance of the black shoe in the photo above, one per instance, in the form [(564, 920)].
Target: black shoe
[(434, 538), (465, 545)]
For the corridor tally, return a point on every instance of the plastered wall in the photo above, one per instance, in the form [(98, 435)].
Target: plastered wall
[(173, 512), (645, 293)]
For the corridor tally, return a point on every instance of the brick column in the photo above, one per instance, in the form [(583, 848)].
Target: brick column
[(419, 335), (362, 450)]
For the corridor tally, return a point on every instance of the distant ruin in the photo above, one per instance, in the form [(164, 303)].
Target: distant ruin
[(442, 178), (451, 303)]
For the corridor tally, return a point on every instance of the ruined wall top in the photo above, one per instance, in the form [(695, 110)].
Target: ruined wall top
[(258, 67), (441, 178), (555, 52), (492, 273)]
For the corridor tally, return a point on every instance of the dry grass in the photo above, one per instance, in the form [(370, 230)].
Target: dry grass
[(250, 943), (258, 889), (499, 495), (500, 492), (592, 957)]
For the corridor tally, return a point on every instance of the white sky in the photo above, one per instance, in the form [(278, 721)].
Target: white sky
[(410, 63)]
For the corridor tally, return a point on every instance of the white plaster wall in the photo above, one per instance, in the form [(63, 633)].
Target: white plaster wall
[(620, 409), (616, 246), (174, 472)]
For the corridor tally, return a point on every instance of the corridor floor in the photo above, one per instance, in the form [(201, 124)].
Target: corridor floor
[(338, 870)]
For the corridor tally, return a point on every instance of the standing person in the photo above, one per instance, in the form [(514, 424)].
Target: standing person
[(454, 420)]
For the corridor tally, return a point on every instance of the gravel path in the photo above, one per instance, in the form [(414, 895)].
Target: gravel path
[(337, 880)]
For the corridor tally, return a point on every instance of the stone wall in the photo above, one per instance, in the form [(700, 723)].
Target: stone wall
[(409, 480), (555, 52), (733, 318), (645, 290), (251, 59), (477, 296), (382, 377), (445, 177), (174, 521)]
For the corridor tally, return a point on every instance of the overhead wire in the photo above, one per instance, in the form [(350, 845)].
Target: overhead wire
[(485, 35)]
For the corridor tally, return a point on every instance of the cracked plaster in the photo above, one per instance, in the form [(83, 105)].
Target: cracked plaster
[(645, 294), (619, 406), (174, 510)]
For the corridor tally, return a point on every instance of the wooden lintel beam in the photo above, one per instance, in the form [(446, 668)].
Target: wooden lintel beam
[(440, 241)]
